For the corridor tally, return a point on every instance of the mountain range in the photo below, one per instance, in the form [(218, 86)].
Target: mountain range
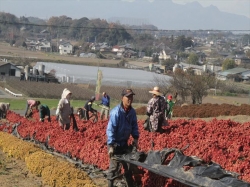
[(164, 14), (168, 15)]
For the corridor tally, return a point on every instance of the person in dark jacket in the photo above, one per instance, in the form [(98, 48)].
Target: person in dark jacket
[(105, 105), (44, 111), (122, 123), (88, 107), (156, 110)]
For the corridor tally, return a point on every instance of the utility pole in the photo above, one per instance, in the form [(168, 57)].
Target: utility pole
[(57, 42)]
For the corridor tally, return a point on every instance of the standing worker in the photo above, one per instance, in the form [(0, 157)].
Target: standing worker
[(57, 112), (171, 103), (122, 123), (4, 107), (105, 105), (30, 105), (88, 107), (44, 111), (156, 110), (64, 110)]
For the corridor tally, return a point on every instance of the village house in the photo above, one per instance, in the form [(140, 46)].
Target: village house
[(9, 69), (241, 59), (65, 48)]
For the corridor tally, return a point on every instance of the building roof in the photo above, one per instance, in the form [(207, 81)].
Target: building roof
[(233, 71), (6, 63)]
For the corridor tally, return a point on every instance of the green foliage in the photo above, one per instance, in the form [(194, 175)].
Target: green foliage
[(155, 58), (230, 94), (182, 42), (193, 59), (246, 39), (24, 45), (228, 64), (169, 63)]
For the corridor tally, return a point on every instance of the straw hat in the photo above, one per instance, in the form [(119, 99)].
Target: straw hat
[(156, 91)]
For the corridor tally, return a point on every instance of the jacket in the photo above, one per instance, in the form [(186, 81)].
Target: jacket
[(4, 107), (64, 108), (88, 106), (156, 110), (106, 101), (44, 111), (32, 103), (121, 125), (171, 105)]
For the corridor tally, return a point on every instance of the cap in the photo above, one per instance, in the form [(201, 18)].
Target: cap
[(127, 92), (170, 97)]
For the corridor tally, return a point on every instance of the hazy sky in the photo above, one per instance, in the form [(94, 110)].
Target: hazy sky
[(240, 7), (25, 7)]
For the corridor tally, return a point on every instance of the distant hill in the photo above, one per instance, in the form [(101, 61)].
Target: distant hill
[(164, 14), (169, 15)]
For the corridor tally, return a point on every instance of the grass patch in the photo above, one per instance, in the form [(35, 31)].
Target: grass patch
[(20, 104)]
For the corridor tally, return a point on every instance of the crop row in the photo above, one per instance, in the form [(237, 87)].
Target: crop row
[(54, 171), (222, 141), (205, 110)]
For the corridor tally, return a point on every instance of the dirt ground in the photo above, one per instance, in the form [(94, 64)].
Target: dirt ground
[(7, 51), (14, 173)]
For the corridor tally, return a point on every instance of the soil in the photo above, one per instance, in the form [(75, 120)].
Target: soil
[(14, 173), (20, 53)]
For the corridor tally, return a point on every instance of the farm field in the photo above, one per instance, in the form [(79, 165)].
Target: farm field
[(208, 137), (192, 124), (192, 120), (7, 51)]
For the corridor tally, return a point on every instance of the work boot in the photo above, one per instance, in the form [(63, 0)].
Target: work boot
[(110, 183)]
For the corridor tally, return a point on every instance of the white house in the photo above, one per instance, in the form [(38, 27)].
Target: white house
[(43, 45), (65, 48), (164, 56), (246, 49)]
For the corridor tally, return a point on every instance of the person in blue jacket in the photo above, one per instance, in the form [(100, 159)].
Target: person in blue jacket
[(122, 123), (105, 105)]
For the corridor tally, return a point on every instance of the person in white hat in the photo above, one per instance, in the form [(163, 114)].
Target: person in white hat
[(156, 110)]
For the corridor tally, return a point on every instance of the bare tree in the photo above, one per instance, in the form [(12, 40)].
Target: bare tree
[(187, 84), (163, 82)]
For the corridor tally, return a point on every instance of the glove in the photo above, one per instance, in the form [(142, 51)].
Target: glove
[(135, 143), (41, 119), (111, 151), (49, 119)]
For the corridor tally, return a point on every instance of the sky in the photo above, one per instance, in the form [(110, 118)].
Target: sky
[(240, 7)]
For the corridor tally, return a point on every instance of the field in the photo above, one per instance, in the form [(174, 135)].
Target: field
[(212, 135), (21, 54)]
